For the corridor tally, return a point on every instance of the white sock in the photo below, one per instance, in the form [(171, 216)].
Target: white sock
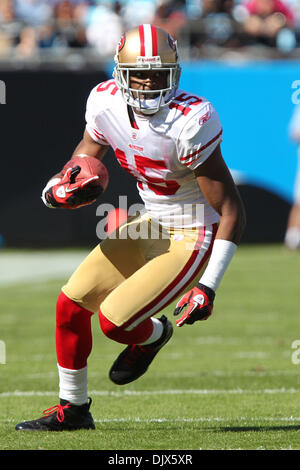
[(73, 385), (156, 333)]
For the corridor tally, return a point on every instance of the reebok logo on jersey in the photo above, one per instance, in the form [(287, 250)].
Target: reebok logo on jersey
[(205, 118)]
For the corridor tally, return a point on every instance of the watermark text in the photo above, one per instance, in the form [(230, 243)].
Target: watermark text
[(2, 92), (296, 354), (139, 226), (2, 352)]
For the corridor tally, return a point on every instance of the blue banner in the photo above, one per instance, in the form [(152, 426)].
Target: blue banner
[(255, 101)]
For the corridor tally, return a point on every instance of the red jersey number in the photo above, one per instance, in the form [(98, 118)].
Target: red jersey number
[(184, 102), (158, 185), (109, 84)]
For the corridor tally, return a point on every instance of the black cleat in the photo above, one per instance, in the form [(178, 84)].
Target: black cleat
[(135, 359), (62, 417)]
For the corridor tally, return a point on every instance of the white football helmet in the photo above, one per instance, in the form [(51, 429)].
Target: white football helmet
[(147, 47)]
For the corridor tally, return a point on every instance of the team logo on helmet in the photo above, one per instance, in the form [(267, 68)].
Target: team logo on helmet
[(172, 43), (121, 42)]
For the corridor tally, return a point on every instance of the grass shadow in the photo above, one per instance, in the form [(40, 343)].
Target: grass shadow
[(259, 428)]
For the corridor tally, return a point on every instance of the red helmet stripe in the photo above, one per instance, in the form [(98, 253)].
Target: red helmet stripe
[(142, 39), (154, 40)]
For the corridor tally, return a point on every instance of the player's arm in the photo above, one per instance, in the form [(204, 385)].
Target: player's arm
[(88, 146), (74, 196), (220, 191), (218, 187)]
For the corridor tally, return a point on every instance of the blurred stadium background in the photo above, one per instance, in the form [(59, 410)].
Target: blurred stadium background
[(241, 55)]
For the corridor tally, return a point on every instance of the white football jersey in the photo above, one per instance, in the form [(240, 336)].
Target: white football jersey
[(160, 151)]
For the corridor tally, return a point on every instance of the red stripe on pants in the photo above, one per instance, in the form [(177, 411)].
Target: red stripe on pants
[(180, 276)]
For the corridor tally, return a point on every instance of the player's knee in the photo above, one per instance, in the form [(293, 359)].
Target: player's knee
[(138, 334), (67, 311), (110, 330)]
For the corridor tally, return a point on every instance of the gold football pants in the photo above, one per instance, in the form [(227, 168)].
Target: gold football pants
[(139, 270)]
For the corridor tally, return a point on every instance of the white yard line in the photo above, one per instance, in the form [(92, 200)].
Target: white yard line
[(130, 393), (214, 419), (199, 420), (17, 268)]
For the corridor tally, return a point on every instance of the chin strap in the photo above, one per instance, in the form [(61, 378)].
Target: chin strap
[(150, 106)]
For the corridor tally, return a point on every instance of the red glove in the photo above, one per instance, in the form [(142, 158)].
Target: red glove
[(198, 305), (69, 194)]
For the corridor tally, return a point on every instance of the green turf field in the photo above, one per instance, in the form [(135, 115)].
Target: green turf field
[(227, 383)]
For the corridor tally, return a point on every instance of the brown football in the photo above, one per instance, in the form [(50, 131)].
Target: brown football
[(89, 166)]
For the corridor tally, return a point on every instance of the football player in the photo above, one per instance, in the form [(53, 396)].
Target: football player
[(169, 140), (292, 234)]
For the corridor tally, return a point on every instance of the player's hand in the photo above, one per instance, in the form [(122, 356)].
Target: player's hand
[(69, 194), (197, 304)]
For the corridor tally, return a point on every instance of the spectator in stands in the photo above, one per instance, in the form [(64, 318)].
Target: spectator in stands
[(97, 24), (27, 47), (10, 27), (104, 28), (33, 12), (170, 16), (216, 24), (264, 19), (46, 36), (135, 12), (68, 28)]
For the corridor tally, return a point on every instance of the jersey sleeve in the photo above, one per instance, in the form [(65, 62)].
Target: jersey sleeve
[(199, 137), (92, 119)]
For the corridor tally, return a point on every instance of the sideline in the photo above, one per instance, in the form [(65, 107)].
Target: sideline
[(20, 267)]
